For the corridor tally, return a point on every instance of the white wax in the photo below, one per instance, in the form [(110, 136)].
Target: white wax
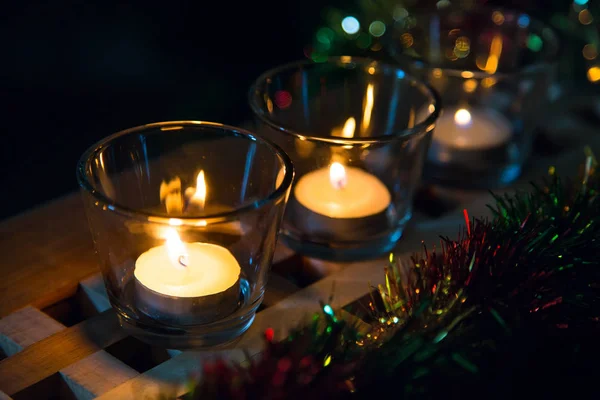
[(210, 269), (363, 194), (472, 129)]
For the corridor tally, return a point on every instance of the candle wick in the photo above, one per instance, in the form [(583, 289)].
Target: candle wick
[(183, 260)]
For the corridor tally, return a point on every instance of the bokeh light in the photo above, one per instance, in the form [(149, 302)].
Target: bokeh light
[(498, 17), (593, 73), (470, 85), (325, 35), (283, 99), (462, 47), (350, 25), (589, 52), (488, 82), (399, 13), (523, 20), (581, 2), (407, 40), (585, 17), (442, 4), (377, 28), (534, 42)]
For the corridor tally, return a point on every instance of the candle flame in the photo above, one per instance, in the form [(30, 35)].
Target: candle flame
[(200, 193), (462, 117), (175, 247), (337, 175)]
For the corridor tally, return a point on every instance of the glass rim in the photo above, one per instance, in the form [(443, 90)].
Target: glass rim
[(547, 60), (420, 128), (228, 216)]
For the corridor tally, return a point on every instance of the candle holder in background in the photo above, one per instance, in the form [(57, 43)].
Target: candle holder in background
[(493, 69), (357, 132), (184, 217)]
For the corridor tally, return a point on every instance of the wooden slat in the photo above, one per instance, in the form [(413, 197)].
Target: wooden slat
[(58, 351), (94, 289), (25, 327), (45, 253), (351, 284), (170, 378), (95, 375)]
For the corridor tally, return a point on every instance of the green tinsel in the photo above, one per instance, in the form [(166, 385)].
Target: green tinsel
[(510, 308)]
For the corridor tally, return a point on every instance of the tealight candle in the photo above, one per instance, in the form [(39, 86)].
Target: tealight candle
[(186, 282), (472, 136), (472, 129), (341, 203)]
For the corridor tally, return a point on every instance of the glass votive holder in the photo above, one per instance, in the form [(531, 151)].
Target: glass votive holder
[(357, 132), (493, 69), (184, 217)]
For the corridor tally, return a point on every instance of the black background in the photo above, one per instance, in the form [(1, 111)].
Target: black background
[(73, 72)]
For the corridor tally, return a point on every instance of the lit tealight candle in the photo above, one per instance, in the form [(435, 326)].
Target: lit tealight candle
[(187, 283), (473, 129), (474, 138), (341, 203)]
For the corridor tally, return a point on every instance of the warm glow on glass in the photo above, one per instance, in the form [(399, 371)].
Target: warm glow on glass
[(349, 127), (200, 193), (462, 117), (470, 85), (368, 108), (491, 64), (337, 175), (467, 74)]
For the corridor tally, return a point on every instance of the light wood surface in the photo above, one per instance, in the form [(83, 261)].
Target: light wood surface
[(45, 253), (25, 327), (50, 355), (96, 374)]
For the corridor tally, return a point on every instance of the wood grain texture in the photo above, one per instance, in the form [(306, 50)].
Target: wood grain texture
[(58, 351), (45, 252), (25, 327), (94, 289), (95, 375), (170, 378)]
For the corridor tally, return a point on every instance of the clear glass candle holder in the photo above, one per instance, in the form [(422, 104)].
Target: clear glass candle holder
[(493, 69), (184, 217), (357, 132)]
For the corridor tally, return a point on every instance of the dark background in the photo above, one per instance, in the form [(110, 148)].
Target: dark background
[(73, 72)]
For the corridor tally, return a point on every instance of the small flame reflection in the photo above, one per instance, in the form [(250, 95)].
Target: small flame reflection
[(200, 193)]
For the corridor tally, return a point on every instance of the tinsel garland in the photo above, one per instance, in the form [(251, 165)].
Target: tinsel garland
[(509, 308)]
